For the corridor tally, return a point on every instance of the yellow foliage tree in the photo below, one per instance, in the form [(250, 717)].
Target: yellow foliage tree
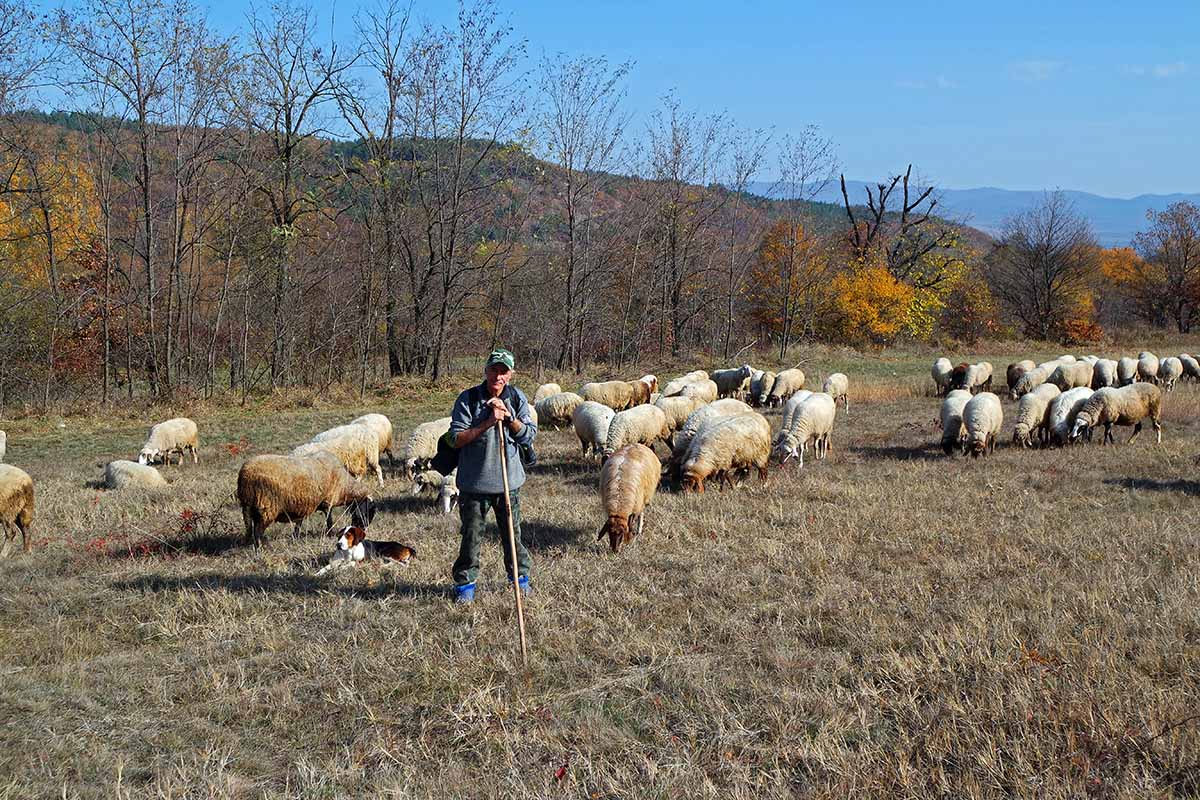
[(870, 305)]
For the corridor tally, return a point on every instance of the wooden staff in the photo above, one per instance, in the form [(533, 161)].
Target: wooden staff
[(512, 543)]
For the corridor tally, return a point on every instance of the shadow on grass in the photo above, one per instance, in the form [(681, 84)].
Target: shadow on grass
[(897, 452), (283, 584), (1181, 485), (548, 536), (408, 503)]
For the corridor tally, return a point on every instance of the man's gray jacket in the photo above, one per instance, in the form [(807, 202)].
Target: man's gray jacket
[(479, 462)]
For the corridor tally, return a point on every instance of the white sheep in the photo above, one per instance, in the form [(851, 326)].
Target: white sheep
[(544, 391), (628, 481), (725, 446), (1104, 373), (1067, 359), (940, 372), (786, 384), (1031, 414), (1062, 414), (357, 446), (644, 424), (382, 426), (557, 409), (732, 382), (172, 436), (421, 446), (677, 409), (1191, 369), (837, 386), (617, 395), (981, 376), (591, 421), (705, 391), (760, 387), (811, 422), (1170, 370), (446, 486), (16, 507), (1147, 367), (1127, 370), (793, 405), (983, 417), (129, 474), (676, 385), (1016, 370), (1126, 405), (1031, 380), (954, 434), (696, 420), (1071, 375)]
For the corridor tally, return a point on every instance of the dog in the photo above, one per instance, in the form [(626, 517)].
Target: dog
[(353, 546)]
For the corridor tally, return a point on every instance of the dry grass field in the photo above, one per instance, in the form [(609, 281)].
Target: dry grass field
[(886, 623)]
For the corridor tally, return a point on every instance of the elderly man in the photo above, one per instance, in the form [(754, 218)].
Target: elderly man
[(474, 422)]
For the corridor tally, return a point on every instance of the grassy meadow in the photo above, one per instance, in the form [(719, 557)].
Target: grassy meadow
[(886, 623)]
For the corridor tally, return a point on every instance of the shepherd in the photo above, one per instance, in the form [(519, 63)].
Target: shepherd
[(475, 432)]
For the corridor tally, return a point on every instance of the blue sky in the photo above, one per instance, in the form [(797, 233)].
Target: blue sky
[(1099, 96)]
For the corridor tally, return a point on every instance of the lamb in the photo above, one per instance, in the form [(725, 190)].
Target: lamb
[(676, 386), (941, 372), (356, 446), (556, 410), (3, 445), (290, 488), (445, 485), (1104, 373), (421, 446), (1126, 371), (983, 416), (732, 382), (697, 419), (1062, 413), (954, 434), (837, 386), (617, 395), (1170, 370), (592, 420), (172, 436), (1147, 367), (382, 426), (1072, 375), (1127, 405), (811, 422), (628, 481), (1031, 414), (546, 390), (760, 387), (16, 507), (131, 475), (644, 424), (1191, 369), (725, 446), (1030, 381), (704, 391), (677, 409), (787, 383)]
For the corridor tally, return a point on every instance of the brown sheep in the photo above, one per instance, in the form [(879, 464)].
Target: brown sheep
[(274, 489), (628, 481), (16, 506)]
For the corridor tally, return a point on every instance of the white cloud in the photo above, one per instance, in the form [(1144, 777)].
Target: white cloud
[(1036, 69), (1160, 71)]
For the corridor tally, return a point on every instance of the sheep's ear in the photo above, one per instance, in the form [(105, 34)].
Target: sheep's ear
[(603, 531)]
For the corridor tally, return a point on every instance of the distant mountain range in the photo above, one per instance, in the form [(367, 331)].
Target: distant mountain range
[(1115, 220)]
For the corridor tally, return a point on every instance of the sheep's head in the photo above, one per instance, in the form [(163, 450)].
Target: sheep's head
[(618, 532), (785, 448), (978, 446), (149, 455), (693, 477), (1083, 424), (449, 496), (1021, 435)]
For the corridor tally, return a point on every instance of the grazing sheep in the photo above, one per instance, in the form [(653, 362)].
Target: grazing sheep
[(131, 475), (421, 446), (954, 433), (983, 417), (1170, 370), (3, 445), (786, 384), (981, 376), (1071, 376), (725, 446), (1126, 371), (1147, 367), (1031, 414), (556, 410), (705, 391), (1062, 413), (732, 382), (592, 421), (1191, 369), (645, 424), (1016, 370), (1090, 360), (546, 390), (811, 422), (1104, 373), (1030, 381), (356, 446), (941, 372), (172, 436), (617, 395), (676, 385), (1126, 405), (16, 507), (643, 388), (837, 386), (677, 409), (628, 481), (793, 405), (760, 387), (290, 488), (446, 486), (697, 419), (382, 426)]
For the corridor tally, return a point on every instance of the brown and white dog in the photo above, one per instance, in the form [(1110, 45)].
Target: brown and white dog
[(353, 546)]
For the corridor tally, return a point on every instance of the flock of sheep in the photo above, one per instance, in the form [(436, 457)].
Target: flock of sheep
[(1059, 402)]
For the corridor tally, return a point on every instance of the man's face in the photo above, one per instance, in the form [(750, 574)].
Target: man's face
[(497, 376)]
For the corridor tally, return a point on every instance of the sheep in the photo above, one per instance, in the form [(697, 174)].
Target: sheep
[(732, 382), (677, 409), (1030, 381), (643, 389), (1147, 367), (954, 435), (940, 372), (981, 376), (787, 383), (617, 395), (1191, 369), (652, 382), (1126, 371), (274, 488), (676, 385), (724, 446), (591, 421), (546, 390), (1016, 370), (1031, 414), (628, 481), (793, 405), (644, 424), (760, 387), (131, 475), (960, 377), (837, 386), (16, 507), (356, 446), (1067, 359), (172, 436), (1104, 373), (421, 446), (1090, 360), (811, 422), (1126, 405), (1170, 370), (983, 416), (382, 426), (697, 419), (1071, 375), (1062, 413), (555, 410), (705, 391), (445, 485), (3, 445)]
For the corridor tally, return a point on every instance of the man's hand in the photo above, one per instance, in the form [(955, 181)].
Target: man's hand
[(499, 412)]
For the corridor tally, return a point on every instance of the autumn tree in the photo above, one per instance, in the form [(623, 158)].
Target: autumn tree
[(788, 280), (1168, 277)]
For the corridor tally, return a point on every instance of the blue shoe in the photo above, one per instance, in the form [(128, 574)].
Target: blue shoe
[(464, 593), (523, 582)]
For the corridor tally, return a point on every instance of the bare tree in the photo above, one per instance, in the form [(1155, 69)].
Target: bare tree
[(1169, 275), (747, 151)]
